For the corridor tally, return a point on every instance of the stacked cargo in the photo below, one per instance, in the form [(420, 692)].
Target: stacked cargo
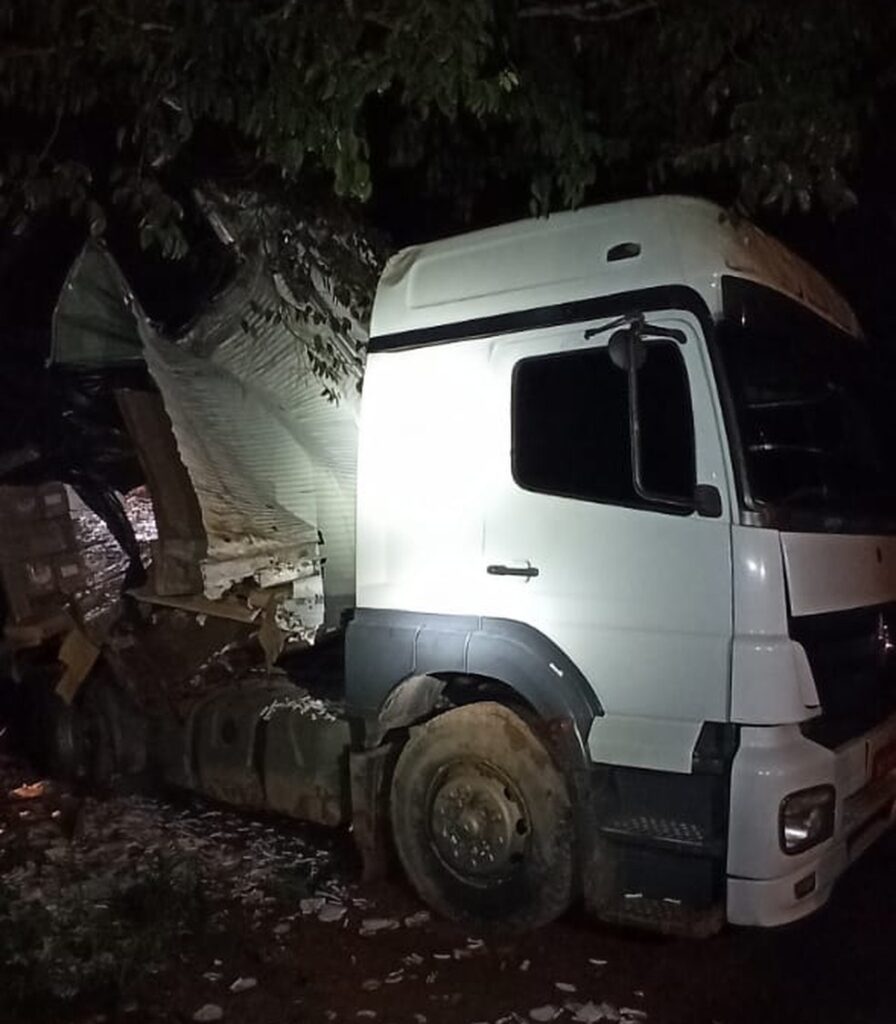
[(40, 566)]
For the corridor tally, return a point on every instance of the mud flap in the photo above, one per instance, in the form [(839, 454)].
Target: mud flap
[(370, 771)]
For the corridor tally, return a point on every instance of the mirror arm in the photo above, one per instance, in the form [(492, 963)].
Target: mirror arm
[(636, 323), (629, 320), (634, 433), (634, 421)]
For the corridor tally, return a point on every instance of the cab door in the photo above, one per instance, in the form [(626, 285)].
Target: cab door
[(636, 592)]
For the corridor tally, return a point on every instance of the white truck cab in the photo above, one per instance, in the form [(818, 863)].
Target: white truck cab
[(621, 480)]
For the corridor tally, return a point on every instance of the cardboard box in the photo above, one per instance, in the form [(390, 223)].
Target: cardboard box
[(23, 505), (37, 539), (53, 501), (23, 586), (68, 572), (38, 586)]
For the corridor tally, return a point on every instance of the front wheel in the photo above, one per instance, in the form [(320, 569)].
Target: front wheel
[(482, 820)]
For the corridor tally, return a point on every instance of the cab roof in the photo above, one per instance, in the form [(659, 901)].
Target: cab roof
[(589, 253)]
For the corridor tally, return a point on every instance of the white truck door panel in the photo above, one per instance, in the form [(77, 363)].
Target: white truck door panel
[(639, 599)]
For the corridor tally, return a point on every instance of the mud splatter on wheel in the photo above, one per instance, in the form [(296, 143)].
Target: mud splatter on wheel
[(481, 819)]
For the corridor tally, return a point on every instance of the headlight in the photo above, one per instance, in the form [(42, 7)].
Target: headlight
[(806, 818)]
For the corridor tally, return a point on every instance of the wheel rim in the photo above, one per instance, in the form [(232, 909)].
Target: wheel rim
[(479, 824)]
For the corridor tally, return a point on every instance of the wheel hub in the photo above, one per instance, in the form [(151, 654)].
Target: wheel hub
[(479, 823)]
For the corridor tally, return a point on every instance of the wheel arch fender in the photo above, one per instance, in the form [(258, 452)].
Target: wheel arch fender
[(398, 665)]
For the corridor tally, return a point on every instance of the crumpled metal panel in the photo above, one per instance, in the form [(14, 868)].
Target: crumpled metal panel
[(271, 459)]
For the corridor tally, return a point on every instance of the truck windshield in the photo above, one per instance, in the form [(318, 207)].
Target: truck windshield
[(815, 419)]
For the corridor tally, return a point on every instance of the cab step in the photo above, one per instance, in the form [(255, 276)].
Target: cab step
[(663, 916), (673, 836)]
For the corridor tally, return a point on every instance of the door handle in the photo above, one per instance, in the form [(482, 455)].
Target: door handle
[(527, 572)]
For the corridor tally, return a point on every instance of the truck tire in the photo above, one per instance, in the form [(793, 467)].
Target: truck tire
[(59, 743), (74, 742), (482, 820)]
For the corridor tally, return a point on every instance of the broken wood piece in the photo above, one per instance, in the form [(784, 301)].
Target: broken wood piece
[(79, 655), (198, 604)]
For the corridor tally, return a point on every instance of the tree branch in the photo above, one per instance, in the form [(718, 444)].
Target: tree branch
[(48, 145), (19, 52), (593, 12)]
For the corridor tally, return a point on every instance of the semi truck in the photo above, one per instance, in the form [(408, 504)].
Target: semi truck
[(619, 625)]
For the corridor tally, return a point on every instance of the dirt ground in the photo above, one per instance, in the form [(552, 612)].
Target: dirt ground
[(133, 908)]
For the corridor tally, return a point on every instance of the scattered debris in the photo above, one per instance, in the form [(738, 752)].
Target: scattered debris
[(371, 984), (414, 920), (29, 790), (330, 912), (564, 986), (372, 925), (591, 1013), (243, 984), (309, 707), (212, 976), (207, 1013), (545, 1013)]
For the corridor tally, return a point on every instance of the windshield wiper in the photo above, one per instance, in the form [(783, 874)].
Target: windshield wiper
[(789, 449), (808, 491), (798, 402)]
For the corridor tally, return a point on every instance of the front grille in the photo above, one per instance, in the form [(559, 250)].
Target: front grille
[(853, 659)]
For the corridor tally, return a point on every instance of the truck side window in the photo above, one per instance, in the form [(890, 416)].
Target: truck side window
[(571, 426)]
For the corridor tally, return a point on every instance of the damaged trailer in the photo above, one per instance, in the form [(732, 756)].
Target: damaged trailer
[(590, 642), (251, 470)]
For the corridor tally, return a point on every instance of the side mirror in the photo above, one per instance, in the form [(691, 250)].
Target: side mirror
[(707, 501), (626, 349)]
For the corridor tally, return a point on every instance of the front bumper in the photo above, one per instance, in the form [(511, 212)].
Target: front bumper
[(767, 886)]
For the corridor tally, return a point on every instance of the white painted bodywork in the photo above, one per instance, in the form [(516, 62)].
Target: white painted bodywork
[(639, 600), (770, 764), (770, 677), (771, 684), (674, 621), (562, 258), (828, 572)]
